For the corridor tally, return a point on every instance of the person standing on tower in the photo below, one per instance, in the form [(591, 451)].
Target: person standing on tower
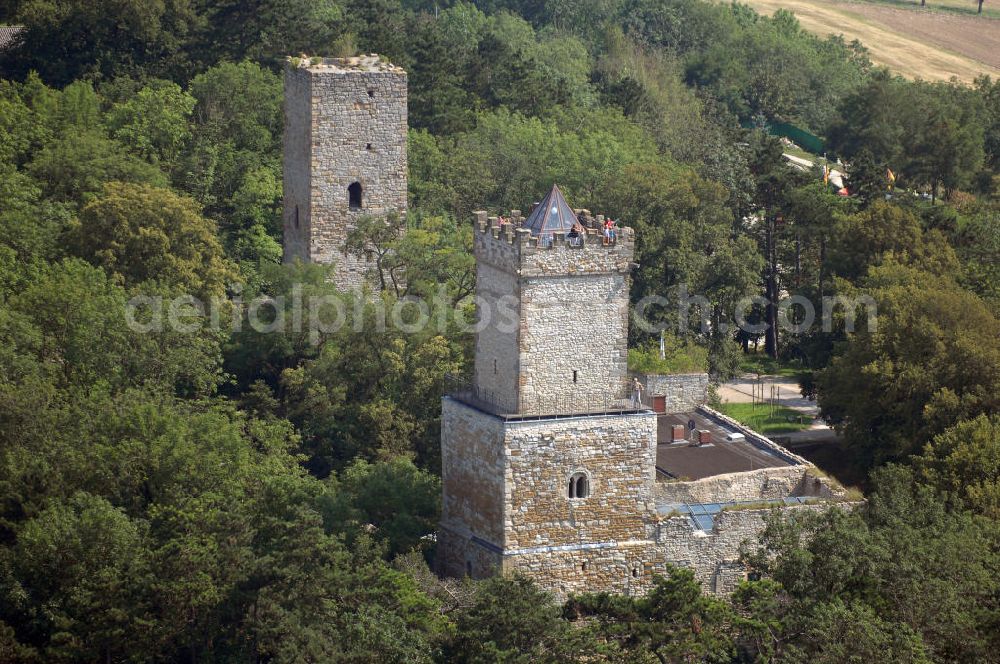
[(636, 393)]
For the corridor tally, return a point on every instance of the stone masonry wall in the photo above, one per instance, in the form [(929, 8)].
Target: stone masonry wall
[(628, 566), (683, 392), (461, 554), (616, 452), (574, 342), (625, 567), (497, 362), (472, 472), (297, 144), (570, 351), (714, 555), (357, 125)]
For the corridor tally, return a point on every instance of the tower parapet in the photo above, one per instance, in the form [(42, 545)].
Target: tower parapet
[(553, 313), (511, 247)]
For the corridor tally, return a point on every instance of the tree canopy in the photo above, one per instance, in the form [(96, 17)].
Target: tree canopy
[(239, 487)]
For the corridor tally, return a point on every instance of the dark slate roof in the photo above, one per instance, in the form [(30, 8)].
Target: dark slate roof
[(696, 462), (552, 215), (8, 35)]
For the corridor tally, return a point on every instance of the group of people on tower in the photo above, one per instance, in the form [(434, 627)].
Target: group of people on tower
[(577, 232)]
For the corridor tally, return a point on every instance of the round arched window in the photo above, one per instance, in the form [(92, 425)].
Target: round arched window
[(579, 486), (354, 196)]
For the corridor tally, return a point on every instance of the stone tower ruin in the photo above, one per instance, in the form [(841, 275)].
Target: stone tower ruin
[(344, 156), (547, 468)]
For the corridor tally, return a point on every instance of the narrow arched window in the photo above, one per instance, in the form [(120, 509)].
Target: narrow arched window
[(354, 195), (296, 216), (579, 486)]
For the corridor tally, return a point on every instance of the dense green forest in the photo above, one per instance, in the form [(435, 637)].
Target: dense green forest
[(231, 495)]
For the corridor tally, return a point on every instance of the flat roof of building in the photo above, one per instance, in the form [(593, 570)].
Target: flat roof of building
[(692, 461)]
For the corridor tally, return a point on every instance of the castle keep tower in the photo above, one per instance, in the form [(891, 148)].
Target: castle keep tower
[(344, 155), (559, 341), (546, 466)]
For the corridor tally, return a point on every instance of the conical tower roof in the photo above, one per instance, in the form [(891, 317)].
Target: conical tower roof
[(552, 215)]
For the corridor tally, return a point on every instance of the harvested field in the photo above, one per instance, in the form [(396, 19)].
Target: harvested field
[(933, 45)]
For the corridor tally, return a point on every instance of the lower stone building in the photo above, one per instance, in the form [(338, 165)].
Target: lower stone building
[(650, 499)]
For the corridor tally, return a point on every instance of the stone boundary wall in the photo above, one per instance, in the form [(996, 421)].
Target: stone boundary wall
[(714, 556), (762, 484), (628, 567), (683, 392)]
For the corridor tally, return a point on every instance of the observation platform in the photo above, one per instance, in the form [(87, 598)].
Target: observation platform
[(560, 406)]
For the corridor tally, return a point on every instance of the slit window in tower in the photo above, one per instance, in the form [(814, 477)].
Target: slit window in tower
[(354, 195)]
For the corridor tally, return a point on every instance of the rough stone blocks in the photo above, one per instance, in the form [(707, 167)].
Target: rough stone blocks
[(344, 157)]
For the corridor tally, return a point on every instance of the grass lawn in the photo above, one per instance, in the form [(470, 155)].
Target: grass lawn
[(759, 363), (766, 420)]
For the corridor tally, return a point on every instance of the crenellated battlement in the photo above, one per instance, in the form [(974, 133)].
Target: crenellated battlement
[(509, 247)]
